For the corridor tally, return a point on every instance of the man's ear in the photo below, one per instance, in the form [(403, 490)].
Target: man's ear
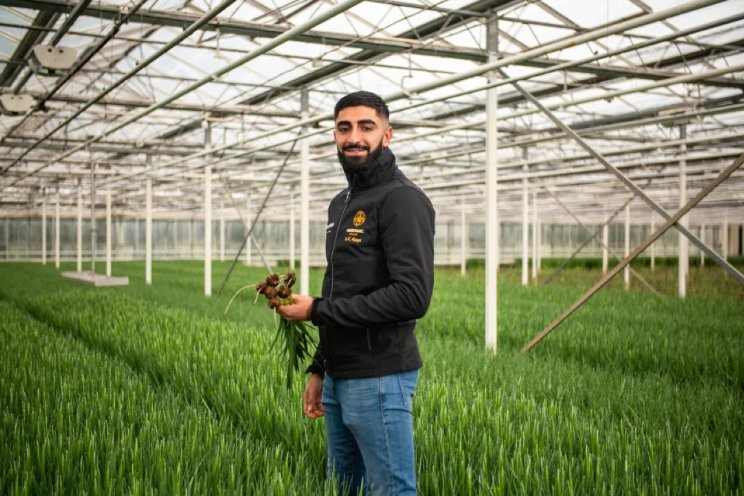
[(387, 137)]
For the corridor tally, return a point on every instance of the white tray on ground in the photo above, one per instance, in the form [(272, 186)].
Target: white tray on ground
[(97, 280)]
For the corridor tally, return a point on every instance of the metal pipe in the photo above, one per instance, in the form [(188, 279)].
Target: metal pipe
[(265, 48), (597, 33), (148, 226), (305, 200), (638, 250), (43, 230), (683, 255), (208, 215), (80, 63), (492, 211), (255, 219), (525, 223), (626, 271), (624, 179), (463, 240), (56, 232), (594, 236), (175, 41), (93, 230), (554, 46), (80, 227), (109, 234), (570, 64)]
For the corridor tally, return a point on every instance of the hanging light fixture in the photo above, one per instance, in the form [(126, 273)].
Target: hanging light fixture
[(48, 60), (11, 104)]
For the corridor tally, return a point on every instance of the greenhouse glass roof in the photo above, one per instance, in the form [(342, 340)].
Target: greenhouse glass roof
[(162, 88)]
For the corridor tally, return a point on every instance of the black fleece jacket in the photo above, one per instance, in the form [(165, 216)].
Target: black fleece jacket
[(380, 274)]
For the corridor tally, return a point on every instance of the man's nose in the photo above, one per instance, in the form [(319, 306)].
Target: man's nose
[(355, 135)]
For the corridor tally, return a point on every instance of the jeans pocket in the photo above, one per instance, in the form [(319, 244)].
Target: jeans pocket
[(406, 385)]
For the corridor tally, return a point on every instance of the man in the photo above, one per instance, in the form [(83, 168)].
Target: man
[(379, 279)]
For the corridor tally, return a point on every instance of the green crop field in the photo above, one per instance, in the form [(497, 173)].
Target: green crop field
[(151, 390)]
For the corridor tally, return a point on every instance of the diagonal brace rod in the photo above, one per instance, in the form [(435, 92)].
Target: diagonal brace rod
[(247, 226), (625, 180), (260, 210), (638, 250), (594, 235)]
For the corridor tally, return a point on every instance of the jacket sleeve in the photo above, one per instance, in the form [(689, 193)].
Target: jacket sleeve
[(406, 223), (316, 366)]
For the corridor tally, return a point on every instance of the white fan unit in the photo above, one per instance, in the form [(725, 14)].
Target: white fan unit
[(11, 104), (47, 60)]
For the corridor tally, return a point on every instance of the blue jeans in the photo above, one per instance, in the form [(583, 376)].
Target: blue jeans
[(370, 433)]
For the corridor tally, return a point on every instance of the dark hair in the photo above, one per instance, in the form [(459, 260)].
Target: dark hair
[(363, 99)]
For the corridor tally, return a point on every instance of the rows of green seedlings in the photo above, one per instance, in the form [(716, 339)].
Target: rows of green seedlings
[(510, 423), (631, 331), (74, 421)]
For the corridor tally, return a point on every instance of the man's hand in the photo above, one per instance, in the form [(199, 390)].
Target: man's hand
[(299, 309), (311, 404)]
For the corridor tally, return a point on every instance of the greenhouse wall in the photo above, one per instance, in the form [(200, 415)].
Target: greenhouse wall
[(21, 239)]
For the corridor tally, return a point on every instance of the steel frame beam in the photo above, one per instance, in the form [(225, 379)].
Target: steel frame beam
[(671, 221), (625, 180), (594, 235)]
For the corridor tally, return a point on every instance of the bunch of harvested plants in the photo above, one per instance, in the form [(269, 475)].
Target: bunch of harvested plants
[(296, 340)]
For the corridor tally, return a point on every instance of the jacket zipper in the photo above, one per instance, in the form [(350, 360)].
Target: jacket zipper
[(335, 236)]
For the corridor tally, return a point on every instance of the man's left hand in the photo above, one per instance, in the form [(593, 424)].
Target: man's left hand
[(300, 308)]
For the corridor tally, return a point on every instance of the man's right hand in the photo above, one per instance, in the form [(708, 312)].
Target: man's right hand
[(311, 404)]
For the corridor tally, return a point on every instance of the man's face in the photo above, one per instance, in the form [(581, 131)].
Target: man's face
[(360, 136)]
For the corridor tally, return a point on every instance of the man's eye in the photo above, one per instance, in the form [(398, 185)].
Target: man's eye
[(367, 129)]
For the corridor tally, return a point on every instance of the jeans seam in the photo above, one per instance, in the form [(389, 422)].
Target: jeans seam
[(390, 481)]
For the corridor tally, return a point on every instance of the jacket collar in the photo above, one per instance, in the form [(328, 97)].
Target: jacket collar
[(378, 171)]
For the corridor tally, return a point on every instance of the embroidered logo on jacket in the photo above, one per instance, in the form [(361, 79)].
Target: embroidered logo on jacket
[(359, 218)]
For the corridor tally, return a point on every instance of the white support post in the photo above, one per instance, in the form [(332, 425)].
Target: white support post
[(208, 230), (605, 247), (463, 240), (724, 238), (305, 200), (248, 223), (492, 212), (56, 232), (80, 228), (683, 260), (626, 270), (148, 226), (93, 223), (702, 238), (525, 223), (538, 255), (43, 231), (208, 214), (292, 222), (653, 245), (222, 232), (108, 234), (535, 237)]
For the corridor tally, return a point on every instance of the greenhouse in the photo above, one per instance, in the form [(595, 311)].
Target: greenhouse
[(159, 158)]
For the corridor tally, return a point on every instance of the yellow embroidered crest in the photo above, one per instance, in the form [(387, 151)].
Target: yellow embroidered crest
[(359, 218)]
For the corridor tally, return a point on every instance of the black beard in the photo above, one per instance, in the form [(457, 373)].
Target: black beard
[(355, 165)]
